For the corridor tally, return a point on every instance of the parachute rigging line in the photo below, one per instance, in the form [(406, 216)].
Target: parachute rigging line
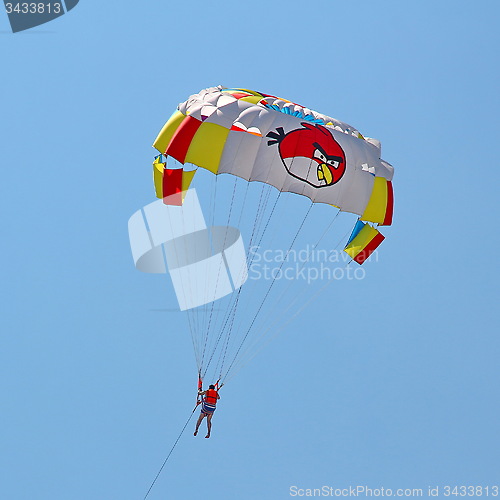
[(203, 309), (213, 350), (212, 305), (220, 264), (268, 290), (272, 283), (250, 290), (247, 355), (231, 314), (290, 284), (191, 330), (192, 320), (233, 303), (230, 303), (231, 309), (170, 452)]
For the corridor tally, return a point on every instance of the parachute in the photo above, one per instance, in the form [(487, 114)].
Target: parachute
[(284, 148), (253, 136)]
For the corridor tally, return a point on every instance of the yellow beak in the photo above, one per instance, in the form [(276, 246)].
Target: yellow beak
[(325, 174)]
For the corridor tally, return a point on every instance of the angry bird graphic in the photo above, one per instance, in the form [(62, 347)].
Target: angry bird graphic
[(310, 154)]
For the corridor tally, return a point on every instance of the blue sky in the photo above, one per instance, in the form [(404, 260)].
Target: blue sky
[(395, 385)]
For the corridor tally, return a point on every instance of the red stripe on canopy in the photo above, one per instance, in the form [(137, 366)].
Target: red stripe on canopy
[(369, 249), (172, 186), (390, 205), (181, 140)]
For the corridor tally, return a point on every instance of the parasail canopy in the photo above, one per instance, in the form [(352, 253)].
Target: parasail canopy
[(263, 138)]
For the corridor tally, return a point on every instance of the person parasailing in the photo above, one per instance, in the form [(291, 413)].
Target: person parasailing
[(208, 406)]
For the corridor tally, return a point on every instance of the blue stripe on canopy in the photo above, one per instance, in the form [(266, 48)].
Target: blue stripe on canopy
[(357, 228)]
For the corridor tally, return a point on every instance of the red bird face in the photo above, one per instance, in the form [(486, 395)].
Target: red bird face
[(311, 154)]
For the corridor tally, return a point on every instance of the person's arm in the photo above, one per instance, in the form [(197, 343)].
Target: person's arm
[(201, 393)]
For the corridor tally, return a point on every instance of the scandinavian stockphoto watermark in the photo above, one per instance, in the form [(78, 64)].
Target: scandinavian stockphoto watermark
[(307, 264), (206, 263), (26, 15)]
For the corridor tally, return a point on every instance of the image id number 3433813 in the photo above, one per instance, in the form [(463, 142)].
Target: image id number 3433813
[(470, 491), (33, 7)]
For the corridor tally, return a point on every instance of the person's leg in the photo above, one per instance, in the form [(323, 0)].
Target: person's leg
[(209, 424), (201, 417)]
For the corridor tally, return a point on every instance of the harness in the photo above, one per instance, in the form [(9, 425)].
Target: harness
[(210, 398)]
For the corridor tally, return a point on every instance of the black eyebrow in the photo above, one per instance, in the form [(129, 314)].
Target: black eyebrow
[(327, 156)]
